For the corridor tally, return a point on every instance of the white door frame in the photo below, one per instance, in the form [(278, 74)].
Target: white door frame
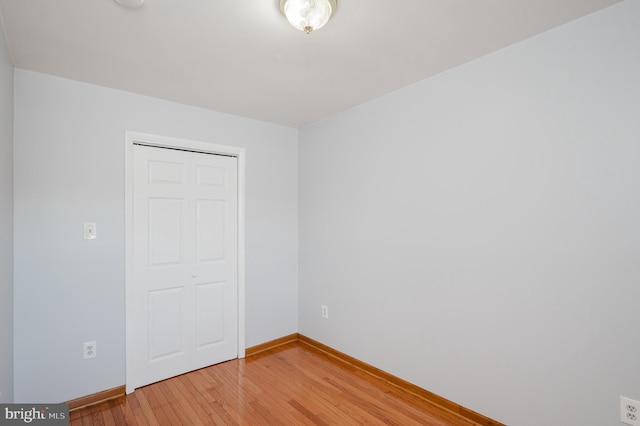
[(166, 142)]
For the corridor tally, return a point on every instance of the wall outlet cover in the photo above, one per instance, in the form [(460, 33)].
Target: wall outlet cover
[(90, 231), (629, 411), (90, 349)]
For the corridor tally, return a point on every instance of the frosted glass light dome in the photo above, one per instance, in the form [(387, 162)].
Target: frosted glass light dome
[(134, 4), (308, 15)]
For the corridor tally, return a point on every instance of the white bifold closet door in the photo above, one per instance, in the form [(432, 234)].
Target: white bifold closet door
[(185, 229)]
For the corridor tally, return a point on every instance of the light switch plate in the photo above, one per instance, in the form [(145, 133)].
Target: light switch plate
[(90, 231)]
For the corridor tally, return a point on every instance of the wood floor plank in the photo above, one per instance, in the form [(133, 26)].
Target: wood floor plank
[(195, 401), (117, 407), (131, 405), (162, 403), (394, 396), (361, 406), (75, 418), (96, 415), (87, 418), (293, 384), (197, 382), (297, 382), (186, 408), (146, 412)]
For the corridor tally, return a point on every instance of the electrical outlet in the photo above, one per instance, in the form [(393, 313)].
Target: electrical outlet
[(90, 231), (90, 350), (629, 411), (325, 312)]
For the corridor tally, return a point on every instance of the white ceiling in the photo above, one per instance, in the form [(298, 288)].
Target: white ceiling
[(242, 57)]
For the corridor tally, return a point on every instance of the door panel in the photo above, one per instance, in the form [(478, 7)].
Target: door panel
[(210, 314), (166, 171), (210, 220), (185, 261), (210, 176), (166, 232), (165, 323)]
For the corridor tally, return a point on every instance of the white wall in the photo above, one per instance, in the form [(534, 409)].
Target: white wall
[(69, 169), (6, 221), (478, 233)]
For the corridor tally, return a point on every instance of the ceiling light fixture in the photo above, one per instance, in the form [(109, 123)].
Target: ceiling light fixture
[(308, 15), (131, 3)]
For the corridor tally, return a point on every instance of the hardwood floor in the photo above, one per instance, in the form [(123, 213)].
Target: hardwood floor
[(293, 384)]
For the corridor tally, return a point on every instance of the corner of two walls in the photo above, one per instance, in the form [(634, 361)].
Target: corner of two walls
[(477, 233)]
